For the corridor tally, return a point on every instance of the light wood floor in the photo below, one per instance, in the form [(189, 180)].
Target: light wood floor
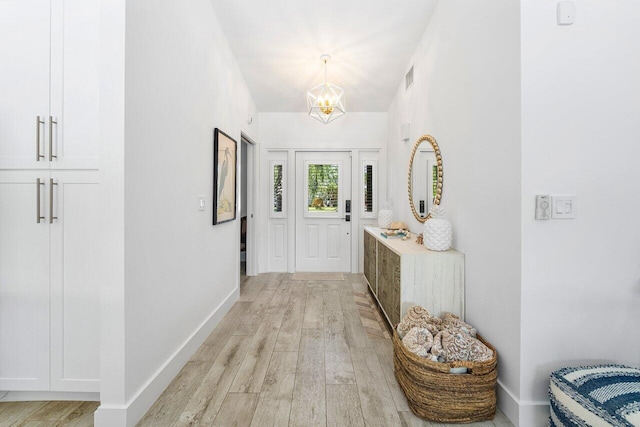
[(297, 353), (47, 414)]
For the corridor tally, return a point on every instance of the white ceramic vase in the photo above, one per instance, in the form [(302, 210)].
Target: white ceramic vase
[(385, 217), (438, 232)]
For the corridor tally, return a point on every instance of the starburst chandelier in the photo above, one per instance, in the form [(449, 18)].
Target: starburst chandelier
[(325, 102)]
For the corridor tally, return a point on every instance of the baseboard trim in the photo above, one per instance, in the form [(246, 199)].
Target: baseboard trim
[(534, 414), (129, 414), (23, 396), (508, 403), (522, 413)]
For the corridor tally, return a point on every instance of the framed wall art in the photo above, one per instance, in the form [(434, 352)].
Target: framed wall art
[(225, 150)]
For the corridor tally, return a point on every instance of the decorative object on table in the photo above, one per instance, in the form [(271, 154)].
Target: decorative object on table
[(393, 233), (224, 177), (385, 216), (595, 395), (419, 239), (398, 225), (450, 392), (425, 178), (438, 232)]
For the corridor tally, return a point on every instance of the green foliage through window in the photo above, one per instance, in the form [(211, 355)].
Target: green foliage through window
[(277, 188), (323, 188)]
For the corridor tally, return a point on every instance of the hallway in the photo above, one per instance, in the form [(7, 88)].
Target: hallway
[(292, 352)]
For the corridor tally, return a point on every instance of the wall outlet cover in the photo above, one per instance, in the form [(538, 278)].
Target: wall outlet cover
[(566, 12)]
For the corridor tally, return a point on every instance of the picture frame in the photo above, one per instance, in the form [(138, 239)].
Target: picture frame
[(225, 165)]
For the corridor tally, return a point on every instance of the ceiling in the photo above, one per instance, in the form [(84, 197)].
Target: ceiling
[(278, 43)]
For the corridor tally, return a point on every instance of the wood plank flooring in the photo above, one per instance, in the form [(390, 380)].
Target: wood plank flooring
[(47, 414), (293, 353), (288, 353)]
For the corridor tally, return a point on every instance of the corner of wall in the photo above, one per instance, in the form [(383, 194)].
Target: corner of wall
[(130, 413)]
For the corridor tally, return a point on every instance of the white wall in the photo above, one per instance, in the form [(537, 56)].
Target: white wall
[(111, 277), (580, 136), (180, 272), (466, 93), (287, 132)]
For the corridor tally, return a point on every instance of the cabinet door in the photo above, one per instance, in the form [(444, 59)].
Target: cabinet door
[(74, 285), (24, 283), (24, 82), (75, 62), (370, 260), (389, 283)]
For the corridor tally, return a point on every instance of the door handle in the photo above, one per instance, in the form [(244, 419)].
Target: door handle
[(51, 123), (51, 217), (38, 155), (347, 218), (38, 216)]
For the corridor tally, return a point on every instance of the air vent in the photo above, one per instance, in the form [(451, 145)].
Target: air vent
[(405, 131), (408, 78)]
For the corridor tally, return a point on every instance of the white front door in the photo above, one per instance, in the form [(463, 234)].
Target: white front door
[(323, 234)]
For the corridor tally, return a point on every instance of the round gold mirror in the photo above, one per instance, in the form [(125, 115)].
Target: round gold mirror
[(425, 177)]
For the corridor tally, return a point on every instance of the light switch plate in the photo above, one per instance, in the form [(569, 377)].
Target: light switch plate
[(564, 207)]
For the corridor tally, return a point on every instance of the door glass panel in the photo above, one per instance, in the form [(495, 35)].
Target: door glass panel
[(322, 187), (277, 188), (368, 188)]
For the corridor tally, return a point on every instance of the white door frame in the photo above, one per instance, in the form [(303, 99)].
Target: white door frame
[(252, 203)]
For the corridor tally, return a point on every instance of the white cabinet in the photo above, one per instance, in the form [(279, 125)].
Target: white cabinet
[(24, 283), (402, 274), (49, 81), (49, 124), (75, 364), (48, 294)]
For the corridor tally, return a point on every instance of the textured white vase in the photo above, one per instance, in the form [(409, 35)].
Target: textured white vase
[(437, 231), (385, 217)]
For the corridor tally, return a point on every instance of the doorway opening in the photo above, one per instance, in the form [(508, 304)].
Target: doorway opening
[(247, 203)]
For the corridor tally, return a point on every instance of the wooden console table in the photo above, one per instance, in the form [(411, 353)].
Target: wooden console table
[(402, 274)]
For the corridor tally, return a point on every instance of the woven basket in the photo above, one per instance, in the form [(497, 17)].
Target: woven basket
[(437, 395)]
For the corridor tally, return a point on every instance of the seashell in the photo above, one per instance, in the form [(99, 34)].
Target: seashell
[(417, 312), (454, 345), (451, 321), (398, 225), (433, 328), (402, 328), (479, 352), (436, 349), (418, 341)]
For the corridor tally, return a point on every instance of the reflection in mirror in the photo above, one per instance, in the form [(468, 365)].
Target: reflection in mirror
[(425, 177)]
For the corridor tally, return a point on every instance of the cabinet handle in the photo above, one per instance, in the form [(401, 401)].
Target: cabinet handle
[(38, 123), (38, 217), (51, 217), (51, 123)]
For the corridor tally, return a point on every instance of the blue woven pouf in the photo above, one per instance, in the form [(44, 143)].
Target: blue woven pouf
[(602, 395)]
